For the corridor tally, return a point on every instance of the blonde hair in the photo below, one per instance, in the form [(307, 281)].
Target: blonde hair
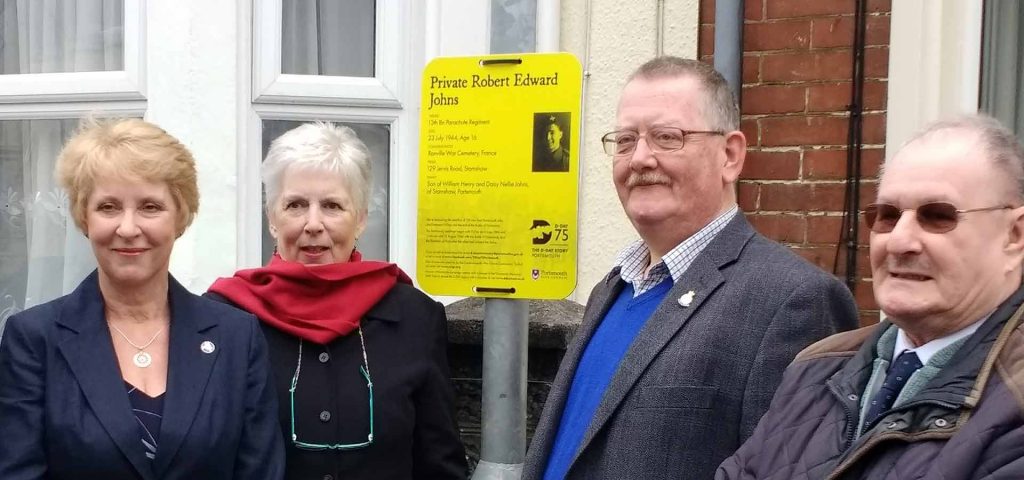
[(127, 148)]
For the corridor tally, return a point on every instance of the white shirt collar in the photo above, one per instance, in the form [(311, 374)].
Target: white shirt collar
[(633, 260), (926, 351)]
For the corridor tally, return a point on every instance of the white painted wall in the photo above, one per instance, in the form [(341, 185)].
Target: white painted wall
[(191, 57)]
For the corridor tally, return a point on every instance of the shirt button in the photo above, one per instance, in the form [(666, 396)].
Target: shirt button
[(324, 357), (325, 416)]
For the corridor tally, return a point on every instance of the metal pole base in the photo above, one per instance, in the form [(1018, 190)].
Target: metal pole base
[(497, 471)]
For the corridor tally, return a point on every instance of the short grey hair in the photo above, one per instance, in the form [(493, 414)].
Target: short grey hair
[(1002, 147), (720, 110), (319, 146)]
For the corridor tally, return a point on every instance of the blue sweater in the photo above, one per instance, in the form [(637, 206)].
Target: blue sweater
[(597, 365)]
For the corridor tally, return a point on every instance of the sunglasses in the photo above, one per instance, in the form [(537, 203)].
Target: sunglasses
[(934, 217)]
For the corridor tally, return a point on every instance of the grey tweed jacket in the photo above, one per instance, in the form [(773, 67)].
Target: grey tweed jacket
[(697, 378)]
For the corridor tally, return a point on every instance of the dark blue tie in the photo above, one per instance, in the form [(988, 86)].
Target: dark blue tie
[(899, 372)]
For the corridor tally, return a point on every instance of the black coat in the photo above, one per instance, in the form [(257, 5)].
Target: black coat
[(415, 432)]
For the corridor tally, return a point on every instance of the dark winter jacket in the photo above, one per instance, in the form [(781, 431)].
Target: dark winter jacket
[(415, 436), (966, 423)]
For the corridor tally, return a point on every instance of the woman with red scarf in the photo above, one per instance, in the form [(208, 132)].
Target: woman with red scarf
[(358, 354)]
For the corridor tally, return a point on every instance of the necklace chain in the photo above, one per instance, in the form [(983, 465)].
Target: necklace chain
[(130, 342), (298, 366)]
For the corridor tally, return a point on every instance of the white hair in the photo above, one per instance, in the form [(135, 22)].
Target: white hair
[(319, 146), (1001, 146)]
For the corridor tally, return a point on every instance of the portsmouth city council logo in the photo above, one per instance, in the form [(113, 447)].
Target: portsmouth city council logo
[(535, 273)]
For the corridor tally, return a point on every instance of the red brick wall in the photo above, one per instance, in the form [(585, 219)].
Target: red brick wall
[(797, 71)]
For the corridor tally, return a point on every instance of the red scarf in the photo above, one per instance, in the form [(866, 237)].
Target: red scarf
[(314, 302)]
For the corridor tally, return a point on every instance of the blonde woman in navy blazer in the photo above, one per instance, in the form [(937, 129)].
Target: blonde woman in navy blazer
[(131, 376)]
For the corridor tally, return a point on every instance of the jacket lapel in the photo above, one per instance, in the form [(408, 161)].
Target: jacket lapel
[(703, 278), (600, 301), (188, 371), (89, 352)]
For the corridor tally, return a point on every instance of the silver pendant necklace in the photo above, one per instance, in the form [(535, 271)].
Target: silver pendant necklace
[(140, 359)]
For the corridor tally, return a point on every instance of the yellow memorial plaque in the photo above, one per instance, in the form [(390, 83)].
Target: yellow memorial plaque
[(499, 176)]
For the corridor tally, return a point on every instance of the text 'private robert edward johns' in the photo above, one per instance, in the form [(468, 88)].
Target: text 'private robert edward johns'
[(483, 81)]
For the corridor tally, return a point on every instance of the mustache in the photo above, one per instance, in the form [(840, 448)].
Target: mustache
[(638, 179), (907, 262)]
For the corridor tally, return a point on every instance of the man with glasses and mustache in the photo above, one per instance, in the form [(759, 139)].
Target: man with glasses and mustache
[(934, 390), (684, 342)]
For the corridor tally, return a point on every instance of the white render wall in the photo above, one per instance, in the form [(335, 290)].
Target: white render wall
[(193, 92)]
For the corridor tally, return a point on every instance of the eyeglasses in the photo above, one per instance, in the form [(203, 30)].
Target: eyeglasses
[(659, 140), (364, 369), (934, 217)]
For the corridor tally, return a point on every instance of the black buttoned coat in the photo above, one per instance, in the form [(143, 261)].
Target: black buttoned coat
[(415, 432)]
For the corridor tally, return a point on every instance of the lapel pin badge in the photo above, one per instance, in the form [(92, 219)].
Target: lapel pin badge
[(207, 347), (686, 299)]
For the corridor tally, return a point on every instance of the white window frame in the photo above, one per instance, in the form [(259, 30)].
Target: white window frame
[(381, 90), (391, 97), (71, 87), (401, 183), (408, 34), (934, 64), (74, 95), (50, 111)]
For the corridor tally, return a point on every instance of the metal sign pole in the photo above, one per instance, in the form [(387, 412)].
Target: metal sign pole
[(503, 410), (498, 130)]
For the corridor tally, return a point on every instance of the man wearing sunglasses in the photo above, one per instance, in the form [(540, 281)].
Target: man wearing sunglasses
[(684, 342), (937, 389)]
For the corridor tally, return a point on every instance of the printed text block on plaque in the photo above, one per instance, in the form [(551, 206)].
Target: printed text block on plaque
[(499, 170)]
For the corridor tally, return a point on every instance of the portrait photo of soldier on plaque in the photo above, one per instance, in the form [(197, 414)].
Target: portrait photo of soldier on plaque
[(551, 142)]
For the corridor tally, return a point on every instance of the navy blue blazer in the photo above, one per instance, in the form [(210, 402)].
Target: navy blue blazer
[(64, 409)]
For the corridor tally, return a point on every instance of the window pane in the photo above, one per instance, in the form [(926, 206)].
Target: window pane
[(53, 36), (513, 26), (373, 243), (42, 253), (328, 37), (1002, 63)]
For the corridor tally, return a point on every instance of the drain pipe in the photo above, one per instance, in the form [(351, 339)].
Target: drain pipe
[(729, 43), (853, 149), (854, 134)]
